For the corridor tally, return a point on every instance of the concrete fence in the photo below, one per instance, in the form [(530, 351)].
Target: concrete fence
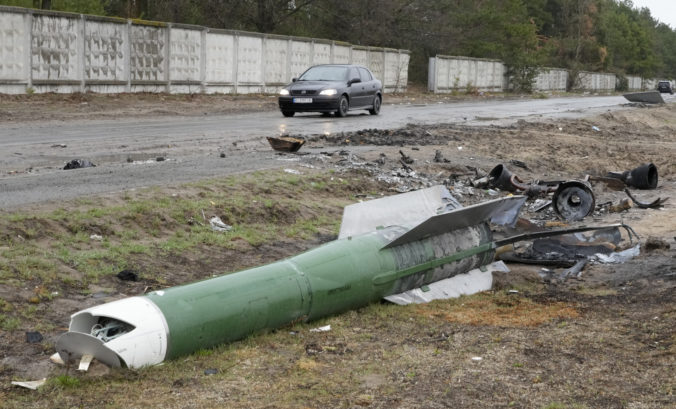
[(634, 83), (551, 79), (595, 81), (64, 52), (449, 74)]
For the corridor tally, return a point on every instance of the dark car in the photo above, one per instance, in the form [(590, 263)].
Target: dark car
[(665, 86), (332, 88)]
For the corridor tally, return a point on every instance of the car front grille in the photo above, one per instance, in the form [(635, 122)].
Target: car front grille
[(303, 92)]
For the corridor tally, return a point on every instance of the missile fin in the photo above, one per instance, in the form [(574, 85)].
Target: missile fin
[(499, 211), (406, 209)]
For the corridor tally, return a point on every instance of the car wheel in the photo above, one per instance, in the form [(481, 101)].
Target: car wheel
[(376, 106), (343, 106), (288, 113)]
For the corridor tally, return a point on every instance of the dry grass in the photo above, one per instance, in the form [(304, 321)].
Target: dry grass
[(502, 310)]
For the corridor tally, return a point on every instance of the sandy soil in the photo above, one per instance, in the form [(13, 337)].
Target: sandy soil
[(616, 349)]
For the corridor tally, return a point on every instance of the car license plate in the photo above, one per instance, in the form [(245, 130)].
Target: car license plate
[(302, 100)]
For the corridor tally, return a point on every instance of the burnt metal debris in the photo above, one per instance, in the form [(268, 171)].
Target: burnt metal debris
[(572, 250), (286, 143), (642, 177), (646, 205), (500, 177), (573, 200), (78, 163), (647, 97)]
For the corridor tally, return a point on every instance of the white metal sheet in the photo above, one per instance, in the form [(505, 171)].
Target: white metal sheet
[(472, 282), (406, 209)]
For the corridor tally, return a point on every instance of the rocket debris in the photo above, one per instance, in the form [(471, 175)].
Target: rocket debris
[(417, 238), (386, 246)]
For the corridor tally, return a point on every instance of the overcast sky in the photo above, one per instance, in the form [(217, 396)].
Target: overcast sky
[(661, 10)]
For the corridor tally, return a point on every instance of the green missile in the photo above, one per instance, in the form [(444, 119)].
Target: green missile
[(367, 262)]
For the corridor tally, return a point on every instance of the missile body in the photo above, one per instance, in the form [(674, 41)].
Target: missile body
[(345, 274)]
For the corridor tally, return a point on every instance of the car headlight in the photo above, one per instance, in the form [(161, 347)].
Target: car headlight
[(328, 92), (283, 91)]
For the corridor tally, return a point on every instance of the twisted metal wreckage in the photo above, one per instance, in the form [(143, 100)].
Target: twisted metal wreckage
[(410, 247)]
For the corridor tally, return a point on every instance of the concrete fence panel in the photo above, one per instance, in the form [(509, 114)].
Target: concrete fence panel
[(596, 81), (649, 84), (395, 77), (634, 83), (56, 53), (249, 64), (321, 53), (376, 63), (341, 53), (551, 79), (106, 56), (301, 57), (360, 56), (15, 51), (148, 67), (185, 56), (451, 74), (220, 66), (276, 57)]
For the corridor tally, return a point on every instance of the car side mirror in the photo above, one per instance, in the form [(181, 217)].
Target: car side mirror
[(294, 79), (353, 81)]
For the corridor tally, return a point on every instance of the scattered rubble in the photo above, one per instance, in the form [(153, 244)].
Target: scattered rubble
[(78, 163)]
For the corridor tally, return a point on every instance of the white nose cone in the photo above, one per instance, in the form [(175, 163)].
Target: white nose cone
[(130, 332)]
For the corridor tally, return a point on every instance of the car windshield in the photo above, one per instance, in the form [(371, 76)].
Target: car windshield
[(325, 73)]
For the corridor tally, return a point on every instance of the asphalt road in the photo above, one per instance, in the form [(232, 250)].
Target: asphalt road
[(32, 155)]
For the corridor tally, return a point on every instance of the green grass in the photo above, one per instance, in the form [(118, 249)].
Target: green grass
[(65, 381), (54, 250), (8, 323)]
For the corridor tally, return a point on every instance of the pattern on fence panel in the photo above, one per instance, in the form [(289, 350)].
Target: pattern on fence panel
[(54, 48), (12, 48), (219, 65), (186, 49), (148, 53), (105, 51)]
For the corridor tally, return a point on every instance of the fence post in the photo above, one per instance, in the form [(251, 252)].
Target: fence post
[(312, 52), (235, 62), (203, 60), (264, 42), (127, 49), (289, 50), (28, 44), (81, 52), (167, 57)]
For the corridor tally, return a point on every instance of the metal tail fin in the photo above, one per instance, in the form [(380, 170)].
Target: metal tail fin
[(500, 211)]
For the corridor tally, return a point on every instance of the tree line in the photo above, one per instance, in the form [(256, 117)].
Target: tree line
[(591, 35)]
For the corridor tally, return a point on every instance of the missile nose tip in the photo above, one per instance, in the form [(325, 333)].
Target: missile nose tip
[(130, 332)]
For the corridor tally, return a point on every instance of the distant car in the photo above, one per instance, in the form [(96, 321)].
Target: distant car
[(332, 88), (665, 86)]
